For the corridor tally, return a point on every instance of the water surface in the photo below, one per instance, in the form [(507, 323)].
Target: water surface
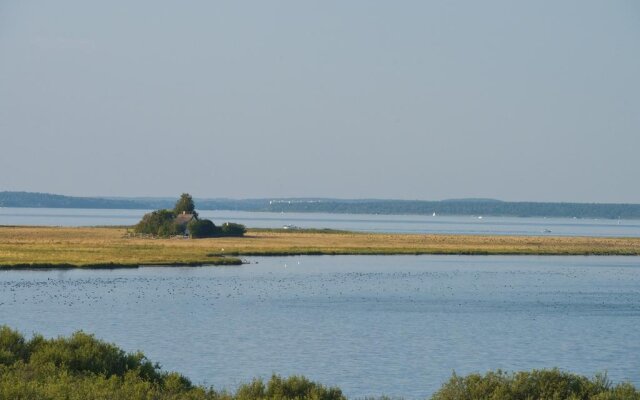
[(473, 225), (395, 325)]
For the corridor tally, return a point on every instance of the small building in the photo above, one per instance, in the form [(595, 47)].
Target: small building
[(183, 220)]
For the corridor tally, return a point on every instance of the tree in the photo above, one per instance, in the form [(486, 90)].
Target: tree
[(185, 204), (160, 222)]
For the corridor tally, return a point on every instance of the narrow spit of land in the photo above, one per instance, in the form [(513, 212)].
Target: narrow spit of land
[(58, 247)]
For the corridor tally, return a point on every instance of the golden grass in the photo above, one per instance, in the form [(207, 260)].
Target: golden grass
[(104, 246)]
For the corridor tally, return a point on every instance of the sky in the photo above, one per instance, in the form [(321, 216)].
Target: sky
[(522, 101)]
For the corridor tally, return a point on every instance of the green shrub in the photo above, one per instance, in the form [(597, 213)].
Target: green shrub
[(202, 228), (249, 391), (159, 223), (12, 346), (231, 229), (83, 353), (293, 387), (536, 384), (82, 367), (299, 387)]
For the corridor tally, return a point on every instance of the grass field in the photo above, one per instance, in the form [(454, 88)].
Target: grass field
[(24, 247)]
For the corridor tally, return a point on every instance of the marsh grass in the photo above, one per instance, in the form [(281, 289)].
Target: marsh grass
[(101, 247)]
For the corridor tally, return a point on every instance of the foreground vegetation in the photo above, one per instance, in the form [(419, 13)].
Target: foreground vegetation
[(83, 367), (24, 246), (532, 385)]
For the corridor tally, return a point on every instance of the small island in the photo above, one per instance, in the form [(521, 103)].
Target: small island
[(183, 221)]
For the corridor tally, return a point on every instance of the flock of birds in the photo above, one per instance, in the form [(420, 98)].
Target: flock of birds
[(291, 284)]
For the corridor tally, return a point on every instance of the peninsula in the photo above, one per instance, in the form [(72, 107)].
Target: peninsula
[(95, 247)]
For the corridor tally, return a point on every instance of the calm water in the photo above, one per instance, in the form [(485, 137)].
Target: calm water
[(396, 325), (354, 222)]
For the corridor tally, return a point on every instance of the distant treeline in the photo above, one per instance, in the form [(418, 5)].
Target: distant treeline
[(46, 200), (462, 207), (341, 206)]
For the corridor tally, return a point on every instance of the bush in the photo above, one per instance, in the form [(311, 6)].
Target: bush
[(299, 387), (12, 346), (231, 229), (82, 367), (83, 353), (536, 384), (202, 228), (293, 387), (160, 223)]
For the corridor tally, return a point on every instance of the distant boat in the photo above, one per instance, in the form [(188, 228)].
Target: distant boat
[(546, 231), (290, 227), (479, 216), (434, 214)]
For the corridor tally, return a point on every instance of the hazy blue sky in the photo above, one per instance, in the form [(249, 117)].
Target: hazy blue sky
[(392, 99)]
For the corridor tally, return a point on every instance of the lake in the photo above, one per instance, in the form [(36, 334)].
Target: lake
[(395, 325), (472, 225)]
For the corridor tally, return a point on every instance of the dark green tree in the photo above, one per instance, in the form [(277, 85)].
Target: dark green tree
[(185, 204)]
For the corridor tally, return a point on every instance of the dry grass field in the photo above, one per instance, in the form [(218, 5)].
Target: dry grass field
[(23, 247)]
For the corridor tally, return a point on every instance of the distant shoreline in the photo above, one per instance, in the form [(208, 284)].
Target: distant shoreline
[(453, 207), (23, 247)]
